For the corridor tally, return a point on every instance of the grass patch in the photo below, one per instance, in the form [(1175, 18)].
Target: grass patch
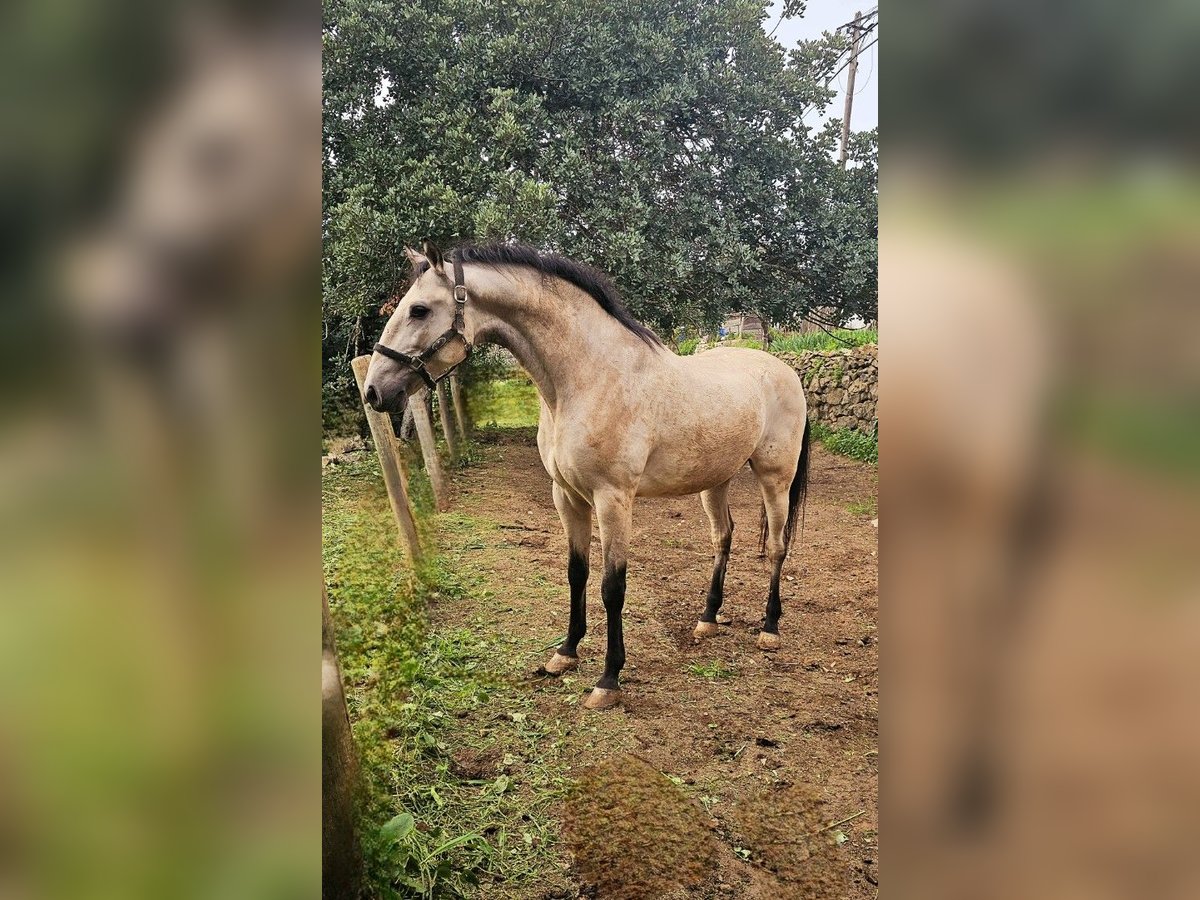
[(713, 671), (868, 508), (688, 346), (505, 403), (747, 342), (458, 771), (834, 339), (848, 442)]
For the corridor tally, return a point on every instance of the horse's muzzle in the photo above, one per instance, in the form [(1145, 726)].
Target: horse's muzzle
[(382, 400)]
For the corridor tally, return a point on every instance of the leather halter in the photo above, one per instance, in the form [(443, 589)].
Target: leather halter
[(417, 363)]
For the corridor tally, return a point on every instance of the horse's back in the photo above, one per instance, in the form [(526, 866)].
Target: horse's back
[(754, 373), (715, 410)]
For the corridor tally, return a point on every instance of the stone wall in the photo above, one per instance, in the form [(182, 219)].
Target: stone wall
[(842, 386)]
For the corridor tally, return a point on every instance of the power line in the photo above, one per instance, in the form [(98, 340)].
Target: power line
[(847, 62), (859, 20), (867, 81)]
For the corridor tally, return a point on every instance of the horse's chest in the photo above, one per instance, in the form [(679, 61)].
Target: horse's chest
[(551, 464), (548, 450), (579, 458), (558, 462)]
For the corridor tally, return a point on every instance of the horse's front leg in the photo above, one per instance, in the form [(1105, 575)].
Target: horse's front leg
[(576, 517), (614, 512)]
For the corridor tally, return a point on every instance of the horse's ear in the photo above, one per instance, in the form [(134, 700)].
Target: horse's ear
[(432, 253), (414, 256)]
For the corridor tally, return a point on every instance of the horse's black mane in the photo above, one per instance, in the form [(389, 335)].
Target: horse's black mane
[(590, 281)]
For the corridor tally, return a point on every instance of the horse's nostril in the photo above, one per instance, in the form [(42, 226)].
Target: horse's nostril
[(372, 396)]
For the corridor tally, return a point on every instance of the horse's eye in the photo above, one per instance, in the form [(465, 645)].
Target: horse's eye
[(419, 312)]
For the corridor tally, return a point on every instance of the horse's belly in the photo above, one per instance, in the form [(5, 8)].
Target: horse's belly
[(651, 486), (670, 474)]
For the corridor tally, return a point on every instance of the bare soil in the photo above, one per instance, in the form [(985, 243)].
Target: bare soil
[(769, 749)]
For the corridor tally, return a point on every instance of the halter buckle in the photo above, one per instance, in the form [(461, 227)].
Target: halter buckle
[(460, 293)]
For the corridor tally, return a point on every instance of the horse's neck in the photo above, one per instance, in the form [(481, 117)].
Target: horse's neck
[(560, 335)]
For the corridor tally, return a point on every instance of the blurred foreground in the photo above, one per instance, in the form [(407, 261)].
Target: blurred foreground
[(159, 540), (1041, 452)]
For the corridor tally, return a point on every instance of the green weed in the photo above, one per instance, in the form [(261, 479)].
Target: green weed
[(868, 507), (458, 773), (713, 670), (748, 342), (848, 442), (834, 339)]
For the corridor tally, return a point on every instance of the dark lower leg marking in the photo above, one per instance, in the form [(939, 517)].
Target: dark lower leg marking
[(774, 606), (612, 589), (716, 589), (577, 576)]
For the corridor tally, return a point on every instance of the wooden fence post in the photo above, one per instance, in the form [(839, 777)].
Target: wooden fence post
[(341, 861), (433, 465), (389, 461), (406, 423), (460, 407), (443, 398)]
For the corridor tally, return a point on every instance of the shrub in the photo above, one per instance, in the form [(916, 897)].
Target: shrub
[(848, 442), (835, 339)]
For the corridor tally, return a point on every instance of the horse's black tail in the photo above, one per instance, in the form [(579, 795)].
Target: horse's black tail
[(797, 495)]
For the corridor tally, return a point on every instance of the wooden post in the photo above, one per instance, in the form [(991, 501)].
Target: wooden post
[(389, 461), (341, 861), (460, 407), (406, 423), (443, 398), (423, 422)]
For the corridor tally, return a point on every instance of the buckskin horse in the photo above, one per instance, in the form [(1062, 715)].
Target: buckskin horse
[(621, 415)]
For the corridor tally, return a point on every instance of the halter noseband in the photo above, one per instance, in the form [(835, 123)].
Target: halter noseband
[(417, 363)]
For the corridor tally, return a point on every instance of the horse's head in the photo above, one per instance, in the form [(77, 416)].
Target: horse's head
[(405, 358)]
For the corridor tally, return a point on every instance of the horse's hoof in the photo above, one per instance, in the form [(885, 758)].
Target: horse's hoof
[(767, 641), (560, 663), (602, 698), (706, 630), (724, 620)]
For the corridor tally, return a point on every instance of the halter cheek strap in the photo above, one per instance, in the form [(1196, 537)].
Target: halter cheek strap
[(417, 363)]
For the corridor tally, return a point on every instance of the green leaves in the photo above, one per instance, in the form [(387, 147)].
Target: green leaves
[(665, 145), (397, 828)]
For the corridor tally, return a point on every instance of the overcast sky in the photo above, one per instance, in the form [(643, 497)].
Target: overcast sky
[(827, 15)]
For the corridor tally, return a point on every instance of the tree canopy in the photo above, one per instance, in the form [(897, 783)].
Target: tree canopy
[(660, 140)]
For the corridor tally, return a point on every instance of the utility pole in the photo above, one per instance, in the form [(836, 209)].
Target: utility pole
[(855, 44)]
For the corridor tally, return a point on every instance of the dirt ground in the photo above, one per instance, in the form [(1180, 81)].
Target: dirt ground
[(772, 749)]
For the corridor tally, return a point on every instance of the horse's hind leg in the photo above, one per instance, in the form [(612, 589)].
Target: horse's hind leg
[(716, 504), (576, 516), (775, 500)]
